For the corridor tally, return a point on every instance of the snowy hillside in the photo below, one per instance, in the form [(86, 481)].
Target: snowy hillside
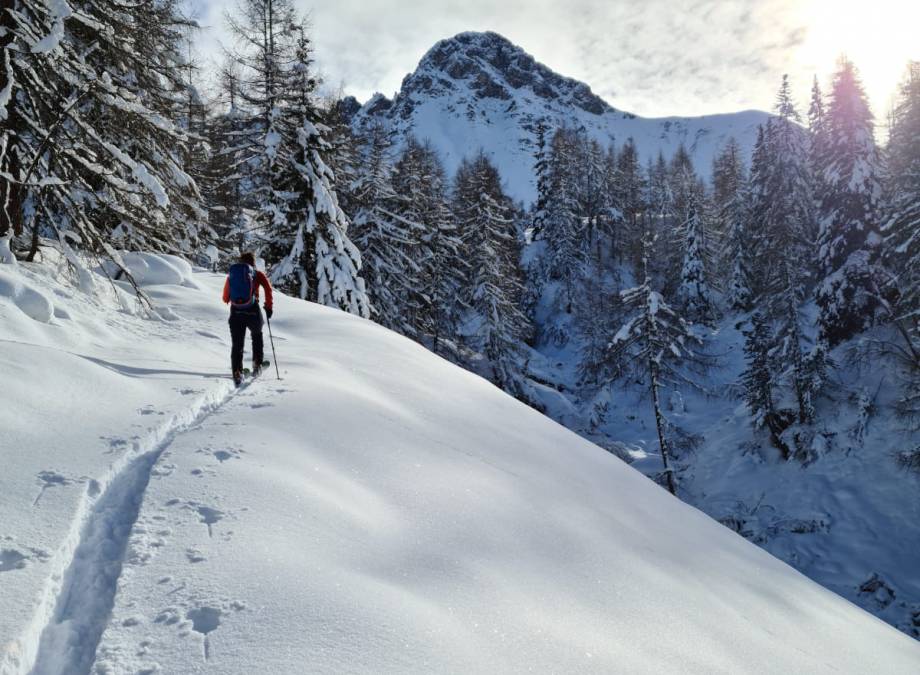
[(376, 510), (478, 90), (846, 515)]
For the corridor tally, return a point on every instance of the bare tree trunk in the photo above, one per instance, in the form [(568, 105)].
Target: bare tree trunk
[(10, 192), (659, 424)]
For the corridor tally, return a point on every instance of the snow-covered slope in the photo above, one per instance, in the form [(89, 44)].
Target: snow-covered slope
[(376, 510), (478, 90)]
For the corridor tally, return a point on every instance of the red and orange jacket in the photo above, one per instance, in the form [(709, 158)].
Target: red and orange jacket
[(261, 280)]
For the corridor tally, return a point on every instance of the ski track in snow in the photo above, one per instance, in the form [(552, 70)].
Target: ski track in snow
[(79, 597)]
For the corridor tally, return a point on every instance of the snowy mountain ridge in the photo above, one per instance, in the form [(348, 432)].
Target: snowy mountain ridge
[(376, 510), (478, 90)]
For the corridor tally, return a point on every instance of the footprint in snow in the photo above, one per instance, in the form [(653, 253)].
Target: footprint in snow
[(14, 559), (169, 616), (11, 559), (162, 470), (116, 444), (209, 516), (206, 514), (193, 555), (222, 455), (205, 620), (147, 537), (50, 479)]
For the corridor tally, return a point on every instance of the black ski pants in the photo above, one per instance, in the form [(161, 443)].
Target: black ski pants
[(240, 320)]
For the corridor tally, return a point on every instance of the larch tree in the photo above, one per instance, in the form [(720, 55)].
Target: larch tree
[(420, 182), (657, 345), (285, 150), (309, 250), (817, 133), (91, 151), (543, 176), (264, 50), (659, 221), (230, 213), (629, 192)]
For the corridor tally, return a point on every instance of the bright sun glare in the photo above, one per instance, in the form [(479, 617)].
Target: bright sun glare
[(878, 36)]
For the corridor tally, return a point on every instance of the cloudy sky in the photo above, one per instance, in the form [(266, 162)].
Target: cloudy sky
[(651, 57)]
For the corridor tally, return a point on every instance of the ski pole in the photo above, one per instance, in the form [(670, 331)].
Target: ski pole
[(272, 340)]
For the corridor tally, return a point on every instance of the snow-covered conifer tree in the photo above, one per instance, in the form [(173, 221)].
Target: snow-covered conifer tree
[(817, 130), (542, 174), (901, 228), (492, 287), (687, 195), (654, 344), (229, 212), (289, 182), (783, 216), (610, 220), (731, 202), (901, 231), (91, 151), (659, 221), (384, 238), (593, 200), (848, 293), (563, 229), (694, 291), (420, 182), (344, 154), (629, 196), (757, 378), (309, 251), (738, 292), (263, 31)]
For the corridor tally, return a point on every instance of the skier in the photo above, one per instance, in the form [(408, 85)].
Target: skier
[(241, 292)]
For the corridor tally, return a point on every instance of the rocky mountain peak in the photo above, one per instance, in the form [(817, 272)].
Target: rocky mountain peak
[(478, 91), (491, 67)]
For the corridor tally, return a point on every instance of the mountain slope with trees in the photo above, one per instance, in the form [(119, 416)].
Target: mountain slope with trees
[(729, 303)]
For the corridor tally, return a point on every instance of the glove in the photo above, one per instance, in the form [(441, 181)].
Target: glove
[(268, 311)]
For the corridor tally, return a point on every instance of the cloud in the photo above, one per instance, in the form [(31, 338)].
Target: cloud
[(654, 58)]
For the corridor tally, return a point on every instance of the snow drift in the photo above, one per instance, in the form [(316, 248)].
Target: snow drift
[(376, 510), (31, 302)]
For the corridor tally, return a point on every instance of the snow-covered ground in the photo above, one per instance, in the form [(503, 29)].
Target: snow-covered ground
[(846, 516), (375, 510)]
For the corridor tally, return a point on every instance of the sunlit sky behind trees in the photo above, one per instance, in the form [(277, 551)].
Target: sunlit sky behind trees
[(653, 58)]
